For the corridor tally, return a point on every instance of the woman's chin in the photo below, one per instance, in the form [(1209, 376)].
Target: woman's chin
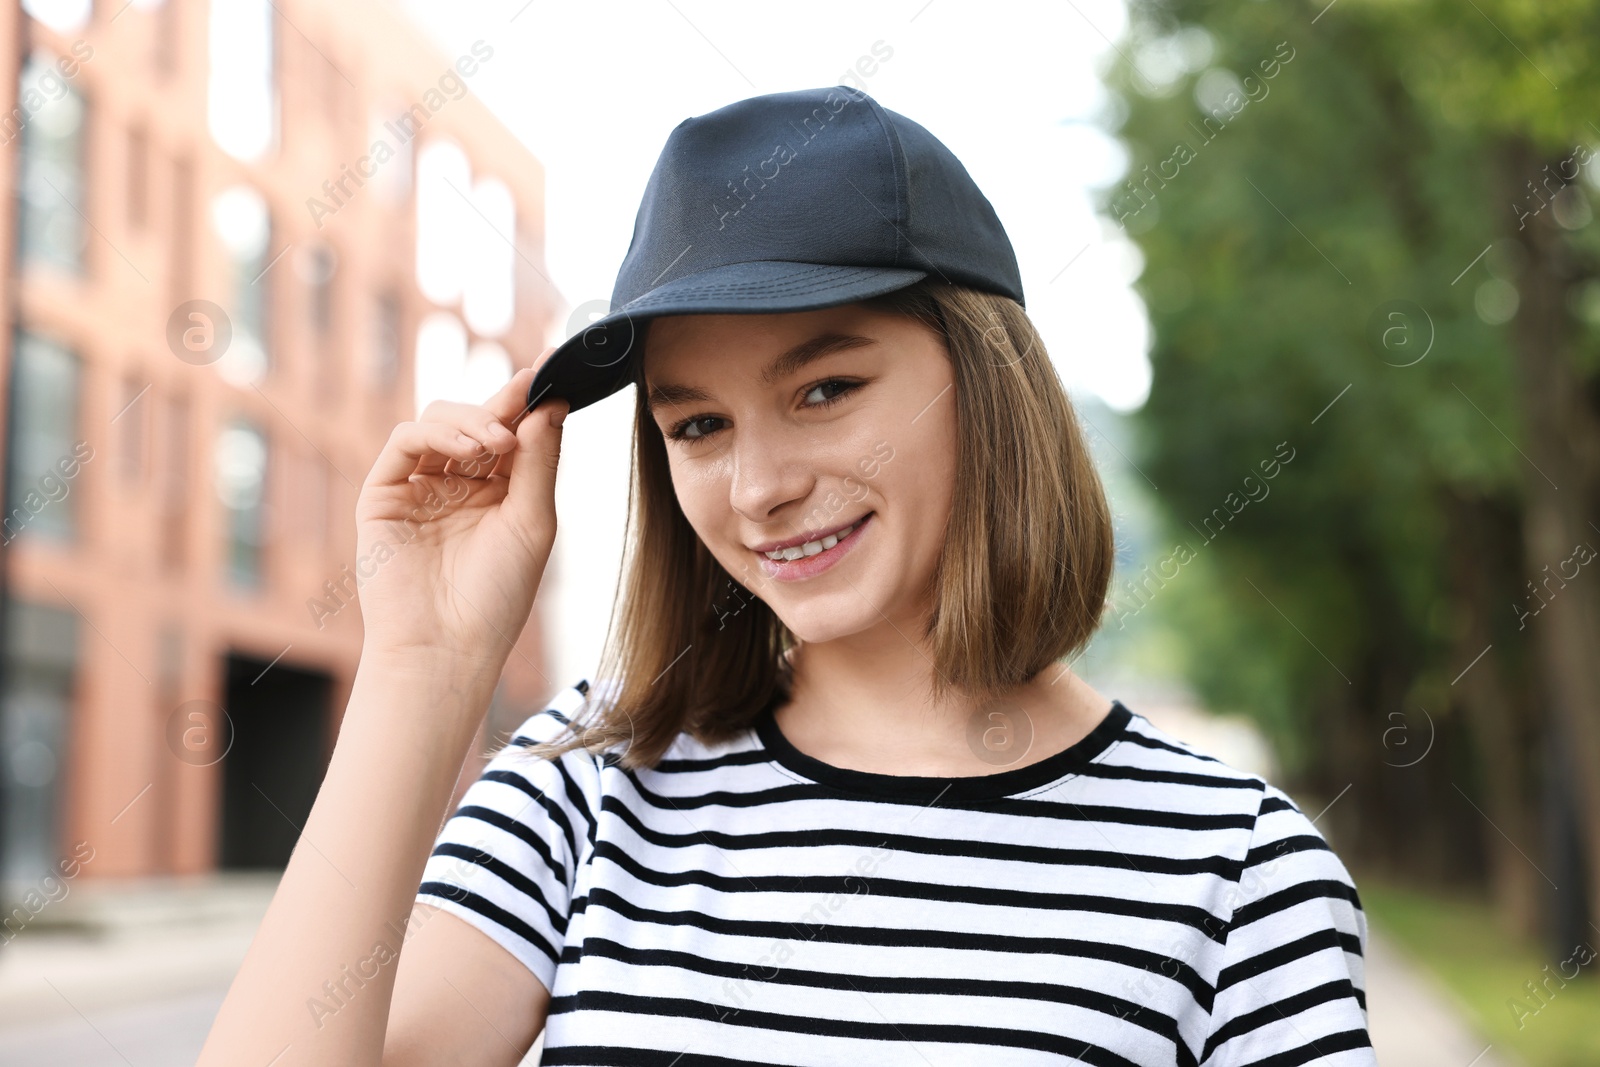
[(815, 626)]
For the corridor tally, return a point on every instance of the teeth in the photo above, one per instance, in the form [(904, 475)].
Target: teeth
[(810, 548)]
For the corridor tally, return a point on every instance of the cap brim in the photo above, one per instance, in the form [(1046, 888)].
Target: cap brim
[(597, 360)]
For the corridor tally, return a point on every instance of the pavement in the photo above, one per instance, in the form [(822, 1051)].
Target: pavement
[(128, 973), (1415, 1021), (157, 1033), (131, 974)]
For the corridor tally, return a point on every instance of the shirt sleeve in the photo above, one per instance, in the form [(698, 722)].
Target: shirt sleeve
[(1292, 986), (506, 861)]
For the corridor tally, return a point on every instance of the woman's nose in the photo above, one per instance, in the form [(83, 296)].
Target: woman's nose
[(770, 467)]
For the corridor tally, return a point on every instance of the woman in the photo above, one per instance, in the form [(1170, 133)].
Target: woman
[(837, 798)]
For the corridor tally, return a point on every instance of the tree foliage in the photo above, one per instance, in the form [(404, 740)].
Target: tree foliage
[(1336, 264)]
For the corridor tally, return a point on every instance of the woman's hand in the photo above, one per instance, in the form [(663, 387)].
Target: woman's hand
[(454, 526)]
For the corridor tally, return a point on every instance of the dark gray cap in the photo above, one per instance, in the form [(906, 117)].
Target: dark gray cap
[(786, 202)]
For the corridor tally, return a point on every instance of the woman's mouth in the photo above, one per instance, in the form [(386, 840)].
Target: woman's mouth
[(812, 558)]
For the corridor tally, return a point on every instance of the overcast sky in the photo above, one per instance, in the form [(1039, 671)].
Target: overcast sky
[(593, 89)]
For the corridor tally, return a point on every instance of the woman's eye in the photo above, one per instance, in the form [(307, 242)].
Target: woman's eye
[(820, 395), (681, 432), (845, 388)]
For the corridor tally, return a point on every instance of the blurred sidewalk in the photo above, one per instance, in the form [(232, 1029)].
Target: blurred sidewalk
[(1414, 1020), (120, 973)]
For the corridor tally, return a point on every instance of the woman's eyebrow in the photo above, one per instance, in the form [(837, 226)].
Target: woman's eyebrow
[(781, 366), (806, 352)]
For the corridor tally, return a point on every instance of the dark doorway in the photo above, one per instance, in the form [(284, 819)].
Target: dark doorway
[(274, 766)]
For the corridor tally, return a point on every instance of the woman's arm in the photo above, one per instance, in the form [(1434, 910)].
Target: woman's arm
[(454, 584), (458, 990), (1291, 987), (317, 982)]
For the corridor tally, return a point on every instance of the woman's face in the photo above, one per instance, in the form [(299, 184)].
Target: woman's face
[(787, 427)]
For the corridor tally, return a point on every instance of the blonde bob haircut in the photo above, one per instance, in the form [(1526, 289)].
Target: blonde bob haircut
[(1022, 582)]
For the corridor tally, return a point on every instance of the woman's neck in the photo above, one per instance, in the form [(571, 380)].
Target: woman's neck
[(874, 713)]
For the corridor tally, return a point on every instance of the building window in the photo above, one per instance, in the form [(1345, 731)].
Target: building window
[(441, 359), (138, 177), (334, 84), (242, 97), (317, 268), (317, 265), (487, 298), (444, 219), (168, 33), (41, 660), (241, 476), (313, 504), (448, 370), (175, 482), (487, 371), (51, 224), (169, 695), (391, 185), (60, 15), (243, 224), (387, 330), (43, 448), (131, 421), (182, 208)]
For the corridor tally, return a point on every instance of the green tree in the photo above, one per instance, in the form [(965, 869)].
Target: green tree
[(1334, 271)]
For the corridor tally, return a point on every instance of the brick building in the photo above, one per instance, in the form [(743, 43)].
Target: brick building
[(242, 239)]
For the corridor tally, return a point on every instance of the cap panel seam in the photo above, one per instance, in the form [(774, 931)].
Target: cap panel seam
[(896, 162)]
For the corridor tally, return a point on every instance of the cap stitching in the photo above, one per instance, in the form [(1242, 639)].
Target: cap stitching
[(797, 285)]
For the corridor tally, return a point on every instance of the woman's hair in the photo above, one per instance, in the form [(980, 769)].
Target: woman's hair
[(1021, 583)]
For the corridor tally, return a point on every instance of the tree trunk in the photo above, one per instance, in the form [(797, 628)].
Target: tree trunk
[(1562, 445), (1498, 711)]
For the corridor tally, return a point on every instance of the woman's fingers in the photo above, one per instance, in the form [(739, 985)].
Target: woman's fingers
[(414, 444), (477, 439), (473, 420), (543, 394), (510, 404), (530, 498)]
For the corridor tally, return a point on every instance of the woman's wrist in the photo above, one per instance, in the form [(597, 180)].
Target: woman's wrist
[(438, 684), (430, 664)]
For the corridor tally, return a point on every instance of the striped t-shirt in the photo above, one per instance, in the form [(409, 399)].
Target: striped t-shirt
[(1128, 900)]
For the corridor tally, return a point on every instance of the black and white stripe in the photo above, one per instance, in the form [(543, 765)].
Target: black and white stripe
[(1129, 901)]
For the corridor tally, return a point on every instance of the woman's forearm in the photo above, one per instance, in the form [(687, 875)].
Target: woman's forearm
[(316, 983)]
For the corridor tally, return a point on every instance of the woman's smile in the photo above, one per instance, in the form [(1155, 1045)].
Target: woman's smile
[(799, 562)]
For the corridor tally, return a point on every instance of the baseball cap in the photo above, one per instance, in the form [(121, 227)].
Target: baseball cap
[(786, 202)]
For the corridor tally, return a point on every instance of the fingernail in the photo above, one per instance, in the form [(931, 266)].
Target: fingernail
[(558, 417)]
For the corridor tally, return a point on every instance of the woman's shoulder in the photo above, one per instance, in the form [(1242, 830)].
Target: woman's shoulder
[(1183, 774), (578, 706), (559, 721), (1271, 813), (556, 717), (1278, 845)]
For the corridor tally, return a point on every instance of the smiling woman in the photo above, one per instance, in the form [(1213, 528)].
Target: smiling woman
[(986, 543), (869, 816)]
